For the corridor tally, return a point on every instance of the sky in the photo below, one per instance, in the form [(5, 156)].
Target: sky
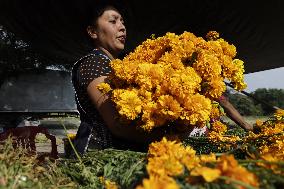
[(273, 78)]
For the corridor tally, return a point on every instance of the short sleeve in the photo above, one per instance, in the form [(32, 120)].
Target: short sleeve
[(92, 67)]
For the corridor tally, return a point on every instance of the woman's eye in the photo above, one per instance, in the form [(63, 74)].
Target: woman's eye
[(112, 21)]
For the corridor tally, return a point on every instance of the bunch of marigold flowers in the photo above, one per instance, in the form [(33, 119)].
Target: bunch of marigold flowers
[(174, 78)]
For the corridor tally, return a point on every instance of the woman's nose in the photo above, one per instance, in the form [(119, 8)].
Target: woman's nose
[(121, 26)]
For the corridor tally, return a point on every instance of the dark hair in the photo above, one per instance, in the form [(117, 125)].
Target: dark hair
[(98, 8)]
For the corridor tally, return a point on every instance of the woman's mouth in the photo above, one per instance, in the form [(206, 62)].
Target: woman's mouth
[(121, 39)]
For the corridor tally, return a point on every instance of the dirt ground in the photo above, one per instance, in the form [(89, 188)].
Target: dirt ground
[(55, 128)]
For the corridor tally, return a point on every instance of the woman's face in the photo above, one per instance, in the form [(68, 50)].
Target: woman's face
[(110, 32)]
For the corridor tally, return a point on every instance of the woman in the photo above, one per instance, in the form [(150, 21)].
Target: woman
[(99, 129)]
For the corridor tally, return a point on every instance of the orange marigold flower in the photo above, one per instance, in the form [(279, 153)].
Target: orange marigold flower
[(207, 173), (229, 167)]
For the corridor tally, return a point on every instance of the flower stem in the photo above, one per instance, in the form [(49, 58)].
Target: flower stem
[(71, 143)]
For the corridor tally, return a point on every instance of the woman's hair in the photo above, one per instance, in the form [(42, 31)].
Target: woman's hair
[(98, 8)]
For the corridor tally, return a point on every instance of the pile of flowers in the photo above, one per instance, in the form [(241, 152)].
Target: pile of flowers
[(174, 78), (169, 159), (174, 165)]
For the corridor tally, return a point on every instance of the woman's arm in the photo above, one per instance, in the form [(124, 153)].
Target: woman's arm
[(108, 112), (233, 113)]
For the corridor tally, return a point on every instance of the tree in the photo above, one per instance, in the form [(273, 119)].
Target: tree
[(18, 56), (274, 97), (244, 104)]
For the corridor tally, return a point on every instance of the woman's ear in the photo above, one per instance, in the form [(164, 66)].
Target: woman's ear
[(92, 32)]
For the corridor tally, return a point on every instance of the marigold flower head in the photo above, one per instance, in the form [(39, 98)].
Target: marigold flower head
[(207, 65), (104, 87), (209, 174), (197, 108), (159, 183), (127, 102), (228, 49), (219, 127), (169, 158), (168, 107), (204, 158), (216, 112), (215, 88), (279, 114), (212, 35), (110, 185), (229, 167)]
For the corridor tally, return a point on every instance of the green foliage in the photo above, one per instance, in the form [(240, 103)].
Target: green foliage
[(126, 168), (267, 98), (275, 97), (244, 104)]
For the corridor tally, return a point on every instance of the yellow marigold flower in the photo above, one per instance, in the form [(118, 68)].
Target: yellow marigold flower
[(228, 68), (164, 146), (182, 48), (104, 88), (150, 50), (127, 102), (71, 135), (238, 76), (274, 147), (258, 123), (214, 88), (189, 158), (149, 75), (164, 158), (171, 60), (145, 96), (216, 48), (219, 127), (208, 158), (188, 36), (228, 49), (159, 183), (150, 117), (207, 65), (168, 72), (124, 70), (110, 185), (212, 35), (217, 138), (216, 113), (279, 114), (168, 107), (197, 108), (207, 173), (275, 129), (229, 167), (164, 166), (184, 83), (172, 152)]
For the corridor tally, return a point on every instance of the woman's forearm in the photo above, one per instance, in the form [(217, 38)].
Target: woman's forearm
[(233, 113)]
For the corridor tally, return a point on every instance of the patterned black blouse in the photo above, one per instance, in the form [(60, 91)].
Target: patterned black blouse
[(93, 132)]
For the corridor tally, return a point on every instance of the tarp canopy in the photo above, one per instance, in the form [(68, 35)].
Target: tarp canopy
[(54, 27)]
